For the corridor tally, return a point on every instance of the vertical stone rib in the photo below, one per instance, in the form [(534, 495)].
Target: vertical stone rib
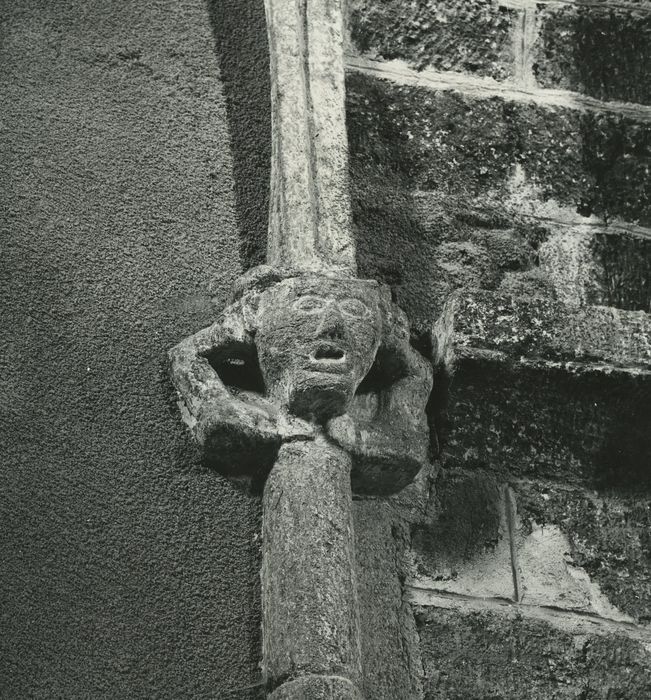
[(309, 218)]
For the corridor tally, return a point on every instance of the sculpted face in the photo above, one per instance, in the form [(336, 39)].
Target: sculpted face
[(316, 341)]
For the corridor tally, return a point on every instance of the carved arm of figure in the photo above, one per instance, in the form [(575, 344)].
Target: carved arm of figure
[(238, 430), (386, 428)]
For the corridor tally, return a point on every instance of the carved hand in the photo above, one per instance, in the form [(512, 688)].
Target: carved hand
[(239, 431), (386, 430), (244, 432)]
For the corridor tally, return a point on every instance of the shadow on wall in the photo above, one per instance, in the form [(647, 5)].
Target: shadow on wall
[(240, 32)]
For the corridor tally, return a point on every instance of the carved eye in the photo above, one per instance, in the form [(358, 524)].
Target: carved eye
[(354, 308), (308, 304)]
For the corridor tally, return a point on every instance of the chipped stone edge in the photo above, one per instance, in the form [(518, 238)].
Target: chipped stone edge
[(399, 72), (572, 622)]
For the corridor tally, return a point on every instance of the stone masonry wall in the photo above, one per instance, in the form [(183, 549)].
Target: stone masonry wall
[(500, 163), (500, 157)]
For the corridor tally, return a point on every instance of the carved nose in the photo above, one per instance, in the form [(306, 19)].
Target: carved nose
[(331, 323)]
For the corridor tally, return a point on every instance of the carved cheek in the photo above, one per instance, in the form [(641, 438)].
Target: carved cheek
[(306, 327), (366, 343)]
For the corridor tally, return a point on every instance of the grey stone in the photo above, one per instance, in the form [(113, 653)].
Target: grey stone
[(309, 215), (488, 654), (309, 584), (308, 373), (317, 688), (313, 375), (329, 354)]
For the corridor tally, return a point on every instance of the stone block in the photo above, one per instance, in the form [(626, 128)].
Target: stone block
[(471, 36), (474, 655), (542, 546), (607, 537), (390, 661), (464, 548), (539, 328), (624, 271), (544, 390), (603, 52), (522, 247), (452, 143), (550, 420), (445, 244)]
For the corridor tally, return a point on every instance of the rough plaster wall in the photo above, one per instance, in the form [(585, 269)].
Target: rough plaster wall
[(126, 569)]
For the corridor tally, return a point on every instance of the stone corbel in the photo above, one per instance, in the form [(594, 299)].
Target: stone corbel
[(308, 378)]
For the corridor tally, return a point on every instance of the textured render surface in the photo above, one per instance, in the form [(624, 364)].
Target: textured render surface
[(485, 655), (600, 52), (459, 35), (240, 32), (127, 569)]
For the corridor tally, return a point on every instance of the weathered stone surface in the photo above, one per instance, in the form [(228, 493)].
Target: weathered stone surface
[(390, 647), (624, 271), (518, 245), (609, 537), (309, 588), (309, 215), (488, 655), (604, 53), (550, 420), (538, 544), (550, 579), (473, 36), (464, 546), (317, 688), (444, 244), (291, 361), (292, 353), (457, 144), (539, 328)]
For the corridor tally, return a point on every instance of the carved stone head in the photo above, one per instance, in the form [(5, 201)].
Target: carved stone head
[(316, 338)]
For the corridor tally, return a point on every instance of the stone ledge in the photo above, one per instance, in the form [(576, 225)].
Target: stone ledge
[(400, 73), (569, 621), (542, 333)]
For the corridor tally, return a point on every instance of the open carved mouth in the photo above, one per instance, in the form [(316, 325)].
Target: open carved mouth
[(327, 352)]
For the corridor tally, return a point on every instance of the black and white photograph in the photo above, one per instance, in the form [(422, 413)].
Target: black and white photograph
[(325, 349)]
